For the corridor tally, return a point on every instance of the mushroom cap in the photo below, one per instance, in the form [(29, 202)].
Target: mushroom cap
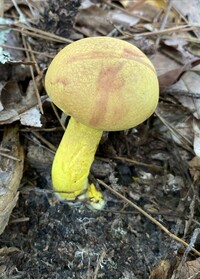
[(104, 83)]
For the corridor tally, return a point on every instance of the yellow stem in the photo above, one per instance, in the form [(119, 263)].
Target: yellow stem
[(73, 160)]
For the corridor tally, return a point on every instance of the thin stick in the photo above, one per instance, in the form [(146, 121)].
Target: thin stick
[(56, 114), (164, 22), (41, 33), (33, 59), (2, 8), (43, 140), (183, 28), (26, 49), (127, 11), (33, 78), (43, 37), (98, 264), (134, 162), (21, 15), (153, 220), (9, 157)]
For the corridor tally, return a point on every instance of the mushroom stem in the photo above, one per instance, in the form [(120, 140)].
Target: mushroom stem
[(72, 163)]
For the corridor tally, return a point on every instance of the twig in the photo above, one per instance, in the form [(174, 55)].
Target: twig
[(134, 162), (21, 15), (40, 33), (33, 59), (127, 11), (2, 8), (153, 220), (57, 116), (43, 140), (98, 264), (164, 22), (19, 220), (177, 271), (33, 78), (174, 91), (26, 49), (183, 28), (184, 141), (33, 139), (9, 157)]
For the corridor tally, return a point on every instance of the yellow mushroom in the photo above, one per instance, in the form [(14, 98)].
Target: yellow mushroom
[(104, 84)]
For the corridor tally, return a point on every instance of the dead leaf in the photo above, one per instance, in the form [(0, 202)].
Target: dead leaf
[(177, 124), (189, 9), (158, 3), (33, 4), (161, 270), (10, 94), (6, 266), (194, 167), (18, 107), (163, 63), (31, 117), (191, 269), (121, 18), (196, 129), (177, 43), (169, 78), (8, 250), (94, 18), (189, 83), (10, 173), (150, 8), (11, 55)]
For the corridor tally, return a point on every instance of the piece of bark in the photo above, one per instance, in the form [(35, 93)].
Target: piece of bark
[(11, 170)]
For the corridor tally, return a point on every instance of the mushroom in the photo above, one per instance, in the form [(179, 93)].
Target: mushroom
[(104, 84)]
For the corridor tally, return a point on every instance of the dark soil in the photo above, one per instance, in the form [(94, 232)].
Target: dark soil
[(46, 238), (61, 241)]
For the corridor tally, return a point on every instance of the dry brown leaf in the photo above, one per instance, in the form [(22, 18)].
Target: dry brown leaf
[(8, 250), (11, 171), (150, 9), (134, 5), (18, 107), (189, 83), (96, 19), (190, 270), (31, 3), (196, 143), (164, 270), (179, 44), (13, 54), (10, 94), (172, 76), (161, 270), (5, 265), (158, 3), (177, 124), (163, 63), (121, 18), (190, 10), (194, 167), (38, 156)]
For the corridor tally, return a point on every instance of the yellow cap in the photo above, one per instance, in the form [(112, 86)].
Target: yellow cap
[(104, 83)]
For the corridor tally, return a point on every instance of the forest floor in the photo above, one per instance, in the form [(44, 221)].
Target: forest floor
[(149, 175)]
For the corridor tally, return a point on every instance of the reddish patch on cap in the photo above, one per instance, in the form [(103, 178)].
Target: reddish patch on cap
[(108, 83), (61, 80), (108, 80), (137, 56), (88, 56), (129, 53)]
